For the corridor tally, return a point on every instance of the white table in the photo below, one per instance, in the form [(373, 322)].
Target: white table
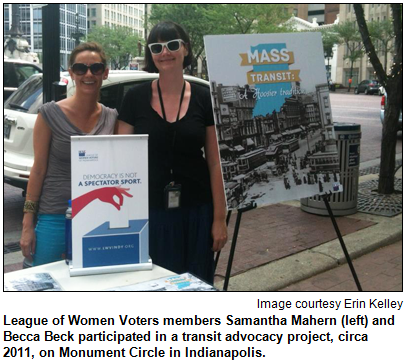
[(60, 272)]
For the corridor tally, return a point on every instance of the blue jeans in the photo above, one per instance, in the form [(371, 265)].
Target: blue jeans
[(50, 239)]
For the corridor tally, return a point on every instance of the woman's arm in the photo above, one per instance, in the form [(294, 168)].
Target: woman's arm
[(123, 128), (219, 228), (41, 143)]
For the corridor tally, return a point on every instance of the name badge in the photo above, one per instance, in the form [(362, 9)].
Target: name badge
[(172, 195)]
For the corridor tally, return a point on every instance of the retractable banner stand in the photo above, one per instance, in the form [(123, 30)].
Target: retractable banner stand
[(109, 204), (273, 117)]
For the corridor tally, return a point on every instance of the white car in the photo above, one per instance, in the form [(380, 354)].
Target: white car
[(382, 111), (15, 72), (21, 109)]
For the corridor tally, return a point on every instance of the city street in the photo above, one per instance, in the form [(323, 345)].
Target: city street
[(346, 107), (364, 110)]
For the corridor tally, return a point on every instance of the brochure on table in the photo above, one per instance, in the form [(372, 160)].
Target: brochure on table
[(40, 281), (183, 282), (273, 117), (109, 204)]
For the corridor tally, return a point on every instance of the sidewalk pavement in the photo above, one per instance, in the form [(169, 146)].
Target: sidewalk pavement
[(380, 270), (280, 245)]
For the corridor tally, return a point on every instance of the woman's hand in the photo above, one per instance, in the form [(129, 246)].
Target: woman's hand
[(219, 235), (27, 241)]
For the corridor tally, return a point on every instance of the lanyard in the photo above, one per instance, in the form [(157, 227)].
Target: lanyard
[(165, 119), (162, 103)]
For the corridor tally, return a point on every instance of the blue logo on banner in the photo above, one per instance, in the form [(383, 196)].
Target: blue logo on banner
[(106, 246), (267, 105)]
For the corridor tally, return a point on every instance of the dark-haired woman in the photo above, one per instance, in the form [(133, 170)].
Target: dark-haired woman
[(186, 196), (49, 186)]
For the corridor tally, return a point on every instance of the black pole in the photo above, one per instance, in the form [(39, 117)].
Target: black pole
[(77, 35), (15, 30), (50, 49), (240, 211), (345, 251)]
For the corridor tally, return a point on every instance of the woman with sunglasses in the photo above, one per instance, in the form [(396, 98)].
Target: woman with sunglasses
[(49, 186), (186, 195)]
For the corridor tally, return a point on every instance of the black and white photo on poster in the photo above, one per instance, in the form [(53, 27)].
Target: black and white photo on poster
[(273, 117)]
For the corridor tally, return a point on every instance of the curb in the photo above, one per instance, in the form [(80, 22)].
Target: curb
[(279, 274)]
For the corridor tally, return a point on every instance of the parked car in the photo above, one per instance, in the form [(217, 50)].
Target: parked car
[(21, 109), (15, 73), (368, 87), (382, 112)]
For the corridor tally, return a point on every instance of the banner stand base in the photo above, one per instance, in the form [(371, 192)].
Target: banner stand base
[(80, 271)]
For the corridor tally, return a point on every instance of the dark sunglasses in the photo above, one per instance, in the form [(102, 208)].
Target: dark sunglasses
[(80, 68), (172, 46)]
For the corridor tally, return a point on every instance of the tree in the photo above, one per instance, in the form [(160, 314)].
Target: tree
[(393, 84), (329, 40), (120, 44), (349, 35), (250, 18), (382, 33)]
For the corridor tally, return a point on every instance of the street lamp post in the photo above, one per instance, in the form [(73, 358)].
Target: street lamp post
[(15, 30), (77, 35), (328, 55)]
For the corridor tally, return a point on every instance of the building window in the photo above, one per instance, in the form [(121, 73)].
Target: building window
[(93, 12), (37, 27), (37, 14)]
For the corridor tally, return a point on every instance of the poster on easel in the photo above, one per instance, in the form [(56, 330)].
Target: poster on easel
[(109, 204), (273, 117)]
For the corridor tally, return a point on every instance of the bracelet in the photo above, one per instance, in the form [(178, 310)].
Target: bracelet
[(30, 207)]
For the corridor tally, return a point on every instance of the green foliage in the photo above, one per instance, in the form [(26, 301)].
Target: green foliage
[(383, 32), (349, 35), (193, 17), (329, 39), (119, 44), (250, 18), (382, 35), (347, 31)]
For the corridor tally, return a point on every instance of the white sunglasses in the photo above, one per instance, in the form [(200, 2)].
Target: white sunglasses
[(172, 46)]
